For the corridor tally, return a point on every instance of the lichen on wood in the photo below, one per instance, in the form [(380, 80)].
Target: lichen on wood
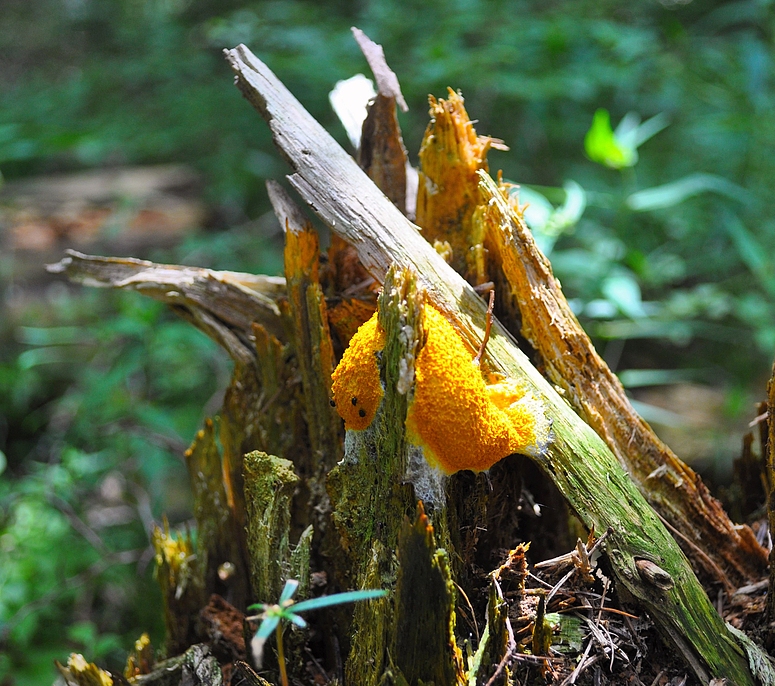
[(366, 486), (369, 496), (309, 320), (216, 543), (572, 362)]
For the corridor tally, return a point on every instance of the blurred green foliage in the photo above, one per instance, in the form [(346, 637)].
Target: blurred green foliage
[(665, 238), (97, 411)]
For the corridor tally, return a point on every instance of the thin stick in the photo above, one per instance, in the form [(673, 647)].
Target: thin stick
[(571, 679), (559, 585), (471, 608), (602, 609), (281, 654), (658, 677), (487, 327)]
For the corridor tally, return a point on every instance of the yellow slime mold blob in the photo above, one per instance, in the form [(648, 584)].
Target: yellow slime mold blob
[(460, 421), (356, 385)]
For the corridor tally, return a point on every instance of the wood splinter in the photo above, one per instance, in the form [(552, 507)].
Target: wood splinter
[(478, 359)]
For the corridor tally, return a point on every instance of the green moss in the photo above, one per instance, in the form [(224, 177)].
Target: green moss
[(269, 486), (423, 645)]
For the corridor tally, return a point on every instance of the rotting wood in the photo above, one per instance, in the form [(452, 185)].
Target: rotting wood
[(216, 544), (768, 451), (79, 672), (243, 674), (181, 589), (571, 362), (448, 195), (197, 666), (423, 645), (312, 340), (262, 410), (223, 304), (369, 493), (269, 485), (578, 461), (382, 154)]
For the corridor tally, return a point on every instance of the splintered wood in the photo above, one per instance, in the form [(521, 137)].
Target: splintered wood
[(584, 470), (281, 492), (448, 193)]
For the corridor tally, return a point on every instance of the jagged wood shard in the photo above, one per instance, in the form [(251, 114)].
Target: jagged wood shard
[(222, 304), (729, 554)]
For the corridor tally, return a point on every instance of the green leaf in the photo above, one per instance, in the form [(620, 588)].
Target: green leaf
[(538, 209), (546, 222), (568, 214), (602, 146), (751, 252), (38, 356), (337, 599), (569, 636), (675, 192), (298, 621), (658, 415), (619, 149), (288, 592), (83, 633), (623, 291), (640, 378), (631, 133), (267, 627)]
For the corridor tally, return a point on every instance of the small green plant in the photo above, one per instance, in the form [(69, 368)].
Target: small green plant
[(287, 609)]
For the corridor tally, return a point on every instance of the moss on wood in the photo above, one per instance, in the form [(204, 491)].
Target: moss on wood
[(269, 485)]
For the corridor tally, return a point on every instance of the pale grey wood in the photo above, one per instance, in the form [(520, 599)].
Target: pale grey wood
[(222, 304)]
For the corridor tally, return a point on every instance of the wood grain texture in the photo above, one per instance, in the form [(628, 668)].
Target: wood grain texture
[(726, 553), (222, 304)]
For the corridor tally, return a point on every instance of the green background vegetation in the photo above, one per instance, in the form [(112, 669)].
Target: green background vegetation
[(101, 392)]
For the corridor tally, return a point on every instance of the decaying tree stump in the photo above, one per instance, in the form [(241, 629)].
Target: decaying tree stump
[(289, 496)]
